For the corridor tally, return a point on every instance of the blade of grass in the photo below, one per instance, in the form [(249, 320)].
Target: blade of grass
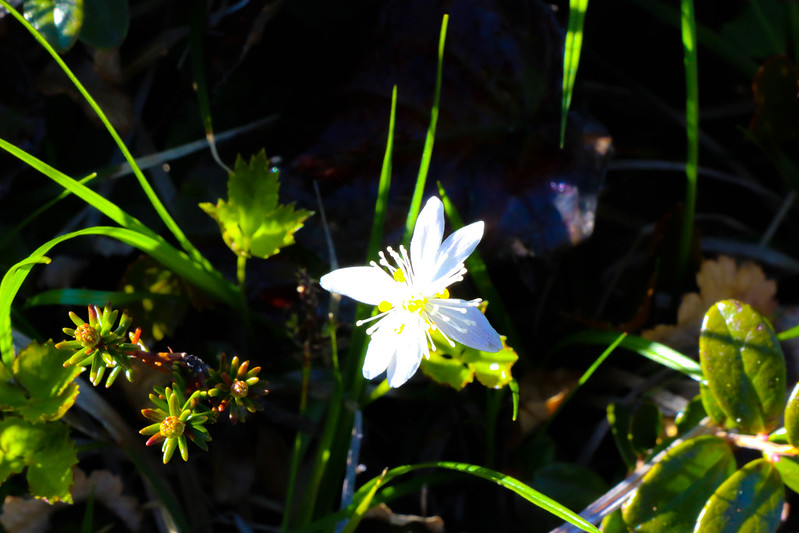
[(159, 207), (654, 351), (503, 480), (688, 27), (87, 297), (170, 257), (335, 429), (198, 65), (427, 153), (571, 59)]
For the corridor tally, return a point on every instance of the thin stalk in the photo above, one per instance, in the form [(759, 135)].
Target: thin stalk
[(571, 59), (427, 153), (688, 26)]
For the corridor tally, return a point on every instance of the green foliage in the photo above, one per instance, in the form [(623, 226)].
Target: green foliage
[(748, 501), (105, 23), (673, 492), (59, 21), (458, 365), (251, 220), (743, 363), (40, 388), (47, 452)]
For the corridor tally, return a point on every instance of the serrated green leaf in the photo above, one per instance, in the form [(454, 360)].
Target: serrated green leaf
[(792, 417), (750, 500), (50, 387), (458, 366), (619, 420), (743, 364), (47, 452), (645, 425), (788, 467), (105, 23), (251, 220), (59, 21), (40, 388), (673, 492)]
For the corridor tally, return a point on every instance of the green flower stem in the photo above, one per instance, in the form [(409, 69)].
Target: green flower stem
[(241, 271), (378, 391)]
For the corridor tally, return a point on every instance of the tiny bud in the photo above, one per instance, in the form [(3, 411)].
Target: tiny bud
[(87, 335), (172, 426), (239, 389)]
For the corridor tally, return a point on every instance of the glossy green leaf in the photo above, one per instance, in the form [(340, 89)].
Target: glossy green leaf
[(59, 21), (619, 419), (572, 485), (459, 365), (673, 492), (45, 450), (251, 220), (690, 416), (792, 417), (750, 500), (614, 523), (711, 406), (105, 23), (744, 366), (50, 387), (645, 425), (788, 467)]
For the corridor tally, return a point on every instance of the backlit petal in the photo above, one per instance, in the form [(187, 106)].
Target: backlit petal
[(408, 355), (457, 248), (466, 325), (382, 347), (367, 284), (427, 239)]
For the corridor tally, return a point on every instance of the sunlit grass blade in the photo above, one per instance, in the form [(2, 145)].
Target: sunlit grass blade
[(177, 261), (159, 207), (571, 59), (363, 506), (337, 428), (427, 154), (504, 480), (87, 297), (659, 353), (688, 27)]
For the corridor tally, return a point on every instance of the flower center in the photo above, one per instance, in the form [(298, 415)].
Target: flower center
[(171, 427)]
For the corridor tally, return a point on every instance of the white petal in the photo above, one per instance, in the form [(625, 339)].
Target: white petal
[(366, 284), (382, 349), (457, 248), (427, 239), (408, 356), (467, 325)]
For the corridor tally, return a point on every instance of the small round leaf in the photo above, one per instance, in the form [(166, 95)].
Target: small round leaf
[(59, 21)]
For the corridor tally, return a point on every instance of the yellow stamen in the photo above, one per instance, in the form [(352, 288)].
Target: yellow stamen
[(443, 294), (414, 306), (399, 275), (384, 306)]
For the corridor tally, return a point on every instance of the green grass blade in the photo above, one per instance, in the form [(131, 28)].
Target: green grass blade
[(571, 59), (87, 297), (659, 353), (159, 207), (427, 154), (175, 260), (198, 65), (503, 480), (106, 207), (688, 26)]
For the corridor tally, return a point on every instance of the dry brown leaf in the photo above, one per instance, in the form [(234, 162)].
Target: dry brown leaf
[(28, 515), (719, 279), (382, 512)]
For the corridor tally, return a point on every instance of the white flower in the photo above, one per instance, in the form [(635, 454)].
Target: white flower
[(412, 297)]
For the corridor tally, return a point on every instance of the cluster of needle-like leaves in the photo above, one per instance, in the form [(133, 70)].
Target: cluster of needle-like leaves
[(97, 345), (198, 394)]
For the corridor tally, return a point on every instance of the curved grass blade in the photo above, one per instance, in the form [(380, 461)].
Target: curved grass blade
[(503, 480), (571, 58), (659, 353), (427, 154), (145, 185), (177, 261)]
